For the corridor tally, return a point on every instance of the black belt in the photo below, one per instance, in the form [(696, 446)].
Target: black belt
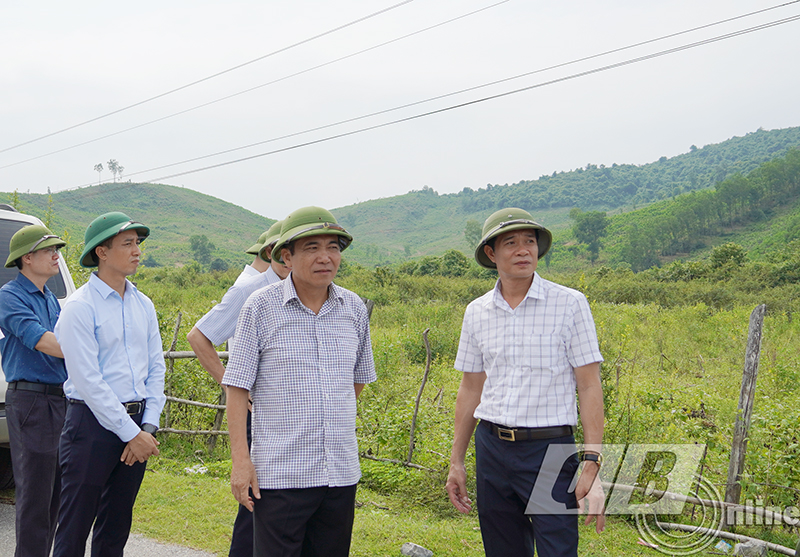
[(132, 408), (529, 433), (46, 388)]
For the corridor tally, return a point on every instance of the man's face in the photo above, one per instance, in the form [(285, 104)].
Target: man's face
[(516, 253), (123, 255), (315, 261), (43, 262)]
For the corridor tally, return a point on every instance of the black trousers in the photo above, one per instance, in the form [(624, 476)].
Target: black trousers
[(506, 472), (96, 487), (242, 536), (312, 522), (34, 427)]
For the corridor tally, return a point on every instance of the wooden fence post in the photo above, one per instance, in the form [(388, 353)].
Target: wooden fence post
[(168, 408), (739, 446), (419, 394)]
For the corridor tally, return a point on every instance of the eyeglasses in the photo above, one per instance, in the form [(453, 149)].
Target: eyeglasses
[(324, 225), (51, 251), (502, 225), (43, 238)]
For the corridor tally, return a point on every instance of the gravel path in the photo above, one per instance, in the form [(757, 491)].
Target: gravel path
[(138, 546)]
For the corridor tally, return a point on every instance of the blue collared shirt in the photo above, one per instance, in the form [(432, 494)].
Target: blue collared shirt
[(219, 324), (26, 314), (112, 347), (300, 368)]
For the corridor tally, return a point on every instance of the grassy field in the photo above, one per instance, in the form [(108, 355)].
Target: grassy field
[(198, 511)]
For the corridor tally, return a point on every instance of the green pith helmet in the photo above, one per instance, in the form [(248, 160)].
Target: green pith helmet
[(29, 239), (506, 220), (309, 221), (104, 227), (255, 248), (273, 235)]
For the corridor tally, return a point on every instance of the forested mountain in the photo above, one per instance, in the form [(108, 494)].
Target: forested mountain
[(422, 222), (609, 187)]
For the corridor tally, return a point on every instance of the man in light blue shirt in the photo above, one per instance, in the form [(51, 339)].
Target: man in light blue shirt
[(112, 347)]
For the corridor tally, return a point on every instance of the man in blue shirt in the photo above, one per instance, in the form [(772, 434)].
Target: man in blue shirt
[(34, 368), (112, 346)]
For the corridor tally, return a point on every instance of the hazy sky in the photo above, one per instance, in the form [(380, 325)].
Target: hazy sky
[(67, 62)]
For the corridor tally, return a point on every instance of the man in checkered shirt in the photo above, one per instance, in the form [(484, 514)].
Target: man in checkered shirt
[(525, 347), (302, 351)]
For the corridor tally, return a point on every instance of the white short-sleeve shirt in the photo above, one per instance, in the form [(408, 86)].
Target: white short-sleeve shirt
[(528, 354)]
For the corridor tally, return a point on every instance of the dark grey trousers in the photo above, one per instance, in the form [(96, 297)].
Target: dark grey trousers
[(34, 428)]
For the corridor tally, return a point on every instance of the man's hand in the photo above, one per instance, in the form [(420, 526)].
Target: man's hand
[(591, 497), (140, 448), (457, 488), (243, 479)]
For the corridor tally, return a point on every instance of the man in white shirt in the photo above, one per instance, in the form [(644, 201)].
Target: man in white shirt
[(525, 347), (260, 263), (111, 342), (217, 326), (302, 349)]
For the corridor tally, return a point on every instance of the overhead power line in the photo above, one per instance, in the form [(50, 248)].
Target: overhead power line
[(251, 89), (494, 97), (439, 97), (212, 76)]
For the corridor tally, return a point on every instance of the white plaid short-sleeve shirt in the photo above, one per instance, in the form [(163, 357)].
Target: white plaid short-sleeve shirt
[(300, 368), (528, 354)]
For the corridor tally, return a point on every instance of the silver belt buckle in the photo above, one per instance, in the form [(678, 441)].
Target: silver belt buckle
[(133, 408)]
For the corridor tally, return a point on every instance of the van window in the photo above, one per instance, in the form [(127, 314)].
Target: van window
[(7, 229)]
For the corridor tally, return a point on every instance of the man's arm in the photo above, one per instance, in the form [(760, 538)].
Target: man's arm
[(243, 473), (206, 354), (590, 398), (358, 387), (469, 396), (49, 345)]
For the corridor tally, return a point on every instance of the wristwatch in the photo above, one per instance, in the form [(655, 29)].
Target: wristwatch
[(597, 458), (150, 428)]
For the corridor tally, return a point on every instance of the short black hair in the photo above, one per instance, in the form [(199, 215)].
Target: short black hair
[(106, 244)]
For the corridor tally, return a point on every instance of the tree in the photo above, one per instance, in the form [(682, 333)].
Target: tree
[(201, 247), (589, 227), (473, 232), (50, 213), (454, 263), (99, 169), (13, 200), (218, 265), (115, 168)]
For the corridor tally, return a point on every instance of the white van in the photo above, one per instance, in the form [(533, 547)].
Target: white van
[(61, 285)]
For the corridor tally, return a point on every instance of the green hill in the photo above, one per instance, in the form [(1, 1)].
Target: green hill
[(173, 214), (422, 222)]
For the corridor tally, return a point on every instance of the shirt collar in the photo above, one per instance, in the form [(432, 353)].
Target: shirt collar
[(104, 289), (290, 293), (28, 285), (536, 291)]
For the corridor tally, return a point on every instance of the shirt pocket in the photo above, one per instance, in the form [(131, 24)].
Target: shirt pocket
[(543, 352)]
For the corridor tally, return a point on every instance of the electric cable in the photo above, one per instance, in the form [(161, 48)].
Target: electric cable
[(207, 78), (492, 97), (251, 89), (566, 78)]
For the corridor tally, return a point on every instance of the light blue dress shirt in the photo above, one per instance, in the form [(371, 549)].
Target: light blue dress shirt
[(113, 351)]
